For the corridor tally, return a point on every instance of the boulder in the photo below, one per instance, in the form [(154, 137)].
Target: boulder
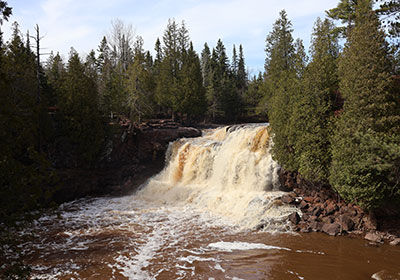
[(288, 199), (309, 199), (304, 205), (373, 237), (305, 217), (328, 220), (330, 208), (316, 226), (331, 229), (294, 218), (346, 223), (317, 211), (395, 242)]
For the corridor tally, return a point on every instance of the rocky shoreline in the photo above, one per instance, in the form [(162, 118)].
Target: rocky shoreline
[(322, 210)]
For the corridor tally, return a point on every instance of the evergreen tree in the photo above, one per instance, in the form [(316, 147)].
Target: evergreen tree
[(192, 101), (253, 95), (281, 83), (345, 12), (80, 113), (365, 147), (241, 72), (234, 65), (24, 174), (167, 90), (55, 72), (313, 109), (221, 85), (108, 96), (206, 65)]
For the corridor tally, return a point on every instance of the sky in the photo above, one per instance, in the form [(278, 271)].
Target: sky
[(82, 24)]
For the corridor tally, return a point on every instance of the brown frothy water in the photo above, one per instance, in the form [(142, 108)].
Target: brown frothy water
[(120, 238)]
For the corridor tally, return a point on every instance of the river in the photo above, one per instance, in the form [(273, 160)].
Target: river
[(197, 219)]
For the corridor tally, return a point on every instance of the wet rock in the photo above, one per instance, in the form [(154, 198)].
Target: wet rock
[(369, 222), (304, 205), (330, 208), (373, 237), (314, 218), (294, 218), (328, 220), (316, 226), (317, 211), (309, 199), (346, 223), (288, 199), (305, 217), (395, 242), (331, 229), (305, 230)]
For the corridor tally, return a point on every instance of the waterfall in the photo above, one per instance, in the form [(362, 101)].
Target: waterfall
[(228, 172)]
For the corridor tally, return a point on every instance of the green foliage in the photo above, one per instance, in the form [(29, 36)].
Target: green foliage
[(281, 86), (21, 163), (365, 146), (79, 110), (345, 12), (192, 101), (313, 108), (140, 84), (253, 96)]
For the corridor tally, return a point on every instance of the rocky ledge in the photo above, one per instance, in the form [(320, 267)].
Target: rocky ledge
[(135, 153), (322, 210)]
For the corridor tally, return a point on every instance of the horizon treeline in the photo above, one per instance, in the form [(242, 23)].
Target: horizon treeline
[(334, 115), (176, 83)]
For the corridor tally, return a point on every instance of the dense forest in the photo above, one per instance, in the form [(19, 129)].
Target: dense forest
[(334, 111)]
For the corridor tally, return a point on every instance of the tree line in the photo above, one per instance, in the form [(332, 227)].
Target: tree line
[(335, 116)]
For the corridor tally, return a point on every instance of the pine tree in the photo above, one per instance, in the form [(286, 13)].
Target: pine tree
[(345, 12), (192, 101), (206, 65), (234, 65), (314, 108), (253, 95), (80, 112), (281, 83), (55, 72), (241, 72), (365, 148), (24, 171), (222, 97)]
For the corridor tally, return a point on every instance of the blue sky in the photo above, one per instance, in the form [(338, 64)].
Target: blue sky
[(82, 24)]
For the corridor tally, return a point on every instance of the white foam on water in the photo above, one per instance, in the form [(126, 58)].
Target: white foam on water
[(236, 245)]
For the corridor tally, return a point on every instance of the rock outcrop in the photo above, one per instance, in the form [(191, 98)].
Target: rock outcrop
[(135, 153), (322, 210)]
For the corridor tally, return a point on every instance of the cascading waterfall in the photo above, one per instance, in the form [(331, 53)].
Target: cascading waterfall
[(229, 172)]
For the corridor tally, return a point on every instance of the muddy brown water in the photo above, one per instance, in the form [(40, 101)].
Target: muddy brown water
[(125, 238)]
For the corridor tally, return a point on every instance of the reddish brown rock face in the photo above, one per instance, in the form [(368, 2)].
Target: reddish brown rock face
[(323, 211)]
